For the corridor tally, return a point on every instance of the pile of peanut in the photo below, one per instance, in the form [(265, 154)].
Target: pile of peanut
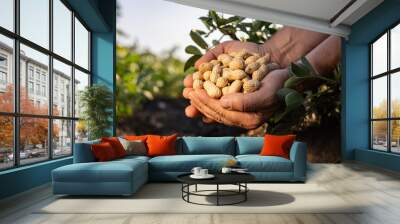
[(233, 73)]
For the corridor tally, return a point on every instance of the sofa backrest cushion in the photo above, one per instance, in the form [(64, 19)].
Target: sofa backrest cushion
[(83, 153), (249, 145), (206, 145)]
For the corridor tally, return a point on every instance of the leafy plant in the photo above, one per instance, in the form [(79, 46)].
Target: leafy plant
[(233, 27), (97, 104), (143, 76), (305, 99)]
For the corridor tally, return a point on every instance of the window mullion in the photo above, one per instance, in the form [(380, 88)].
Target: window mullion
[(73, 82), (389, 104), (16, 84), (50, 81)]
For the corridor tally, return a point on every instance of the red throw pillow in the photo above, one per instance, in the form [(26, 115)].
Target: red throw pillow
[(161, 145), (277, 145), (136, 137), (103, 152), (116, 145)]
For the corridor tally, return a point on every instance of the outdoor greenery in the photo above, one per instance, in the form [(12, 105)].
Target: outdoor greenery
[(234, 27), (96, 102), (307, 99), (142, 75)]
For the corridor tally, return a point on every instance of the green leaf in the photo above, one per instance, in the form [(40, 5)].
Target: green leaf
[(283, 92), (298, 70), (292, 82), (207, 22), (307, 64), (192, 50), (293, 100), (214, 16), (190, 62), (228, 30), (200, 32), (198, 40)]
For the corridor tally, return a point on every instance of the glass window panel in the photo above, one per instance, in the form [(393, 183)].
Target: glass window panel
[(62, 89), (62, 138), (7, 14), (6, 142), (34, 61), (395, 136), (395, 47), (34, 21), (379, 56), (6, 74), (379, 97), (81, 45), (379, 135), (33, 140), (81, 131), (81, 82), (62, 29), (395, 94)]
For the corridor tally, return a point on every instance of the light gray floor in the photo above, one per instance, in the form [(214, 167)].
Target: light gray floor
[(379, 189)]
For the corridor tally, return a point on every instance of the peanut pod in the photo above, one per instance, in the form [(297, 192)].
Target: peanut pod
[(252, 68), (225, 59), (264, 59), (221, 82), (251, 60), (206, 75), (235, 87), (225, 90), (237, 75), (260, 73), (212, 90), (251, 86), (197, 84), (236, 63), (205, 67), (215, 73), (197, 75)]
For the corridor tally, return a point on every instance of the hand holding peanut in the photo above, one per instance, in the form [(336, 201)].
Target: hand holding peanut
[(236, 72)]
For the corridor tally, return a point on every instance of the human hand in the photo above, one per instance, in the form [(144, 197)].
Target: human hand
[(225, 47), (244, 110)]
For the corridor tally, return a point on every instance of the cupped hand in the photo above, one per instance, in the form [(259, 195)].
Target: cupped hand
[(244, 110), (225, 47)]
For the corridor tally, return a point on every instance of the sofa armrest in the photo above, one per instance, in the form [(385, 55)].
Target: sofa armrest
[(298, 155), (83, 152)]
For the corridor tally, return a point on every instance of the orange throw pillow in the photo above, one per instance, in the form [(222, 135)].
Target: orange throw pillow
[(136, 137), (161, 145), (103, 152), (277, 145), (116, 145)]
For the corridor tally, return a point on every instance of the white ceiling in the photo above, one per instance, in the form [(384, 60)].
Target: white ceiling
[(324, 16), (319, 9)]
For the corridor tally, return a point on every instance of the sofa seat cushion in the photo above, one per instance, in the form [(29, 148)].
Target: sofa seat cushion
[(257, 163), (113, 171), (185, 163)]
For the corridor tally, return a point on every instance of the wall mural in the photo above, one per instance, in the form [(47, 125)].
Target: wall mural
[(239, 76)]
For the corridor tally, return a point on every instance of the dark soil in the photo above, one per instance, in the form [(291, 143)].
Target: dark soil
[(166, 116)]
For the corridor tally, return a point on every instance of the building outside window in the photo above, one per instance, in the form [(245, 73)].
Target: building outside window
[(30, 87), (3, 72), (58, 125), (385, 91)]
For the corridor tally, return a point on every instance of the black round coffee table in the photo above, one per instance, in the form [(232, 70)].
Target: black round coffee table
[(238, 179)]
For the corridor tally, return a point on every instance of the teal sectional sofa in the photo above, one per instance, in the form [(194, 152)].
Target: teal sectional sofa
[(125, 176)]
